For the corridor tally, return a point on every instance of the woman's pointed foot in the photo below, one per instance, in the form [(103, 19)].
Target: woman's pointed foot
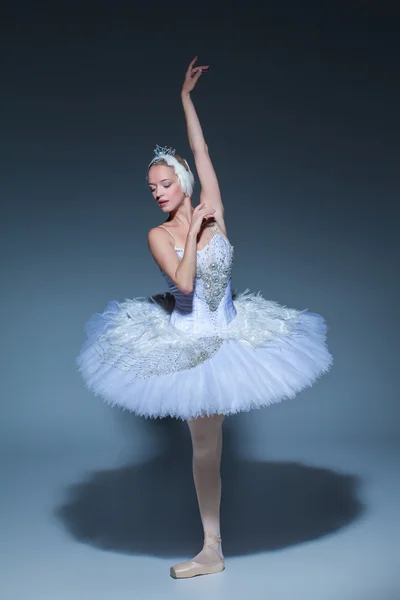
[(192, 568)]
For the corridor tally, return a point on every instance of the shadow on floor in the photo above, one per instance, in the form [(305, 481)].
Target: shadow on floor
[(152, 508)]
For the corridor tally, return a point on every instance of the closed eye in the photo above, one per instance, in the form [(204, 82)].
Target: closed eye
[(165, 186)]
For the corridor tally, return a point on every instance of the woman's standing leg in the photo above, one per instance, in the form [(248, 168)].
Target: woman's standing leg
[(206, 434)]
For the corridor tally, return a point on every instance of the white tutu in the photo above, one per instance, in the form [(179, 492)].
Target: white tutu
[(209, 352)]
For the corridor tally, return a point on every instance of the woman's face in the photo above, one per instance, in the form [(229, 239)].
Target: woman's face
[(165, 187)]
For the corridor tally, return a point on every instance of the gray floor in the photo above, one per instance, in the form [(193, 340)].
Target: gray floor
[(319, 522)]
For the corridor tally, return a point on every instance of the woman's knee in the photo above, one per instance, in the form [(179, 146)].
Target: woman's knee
[(204, 427), (205, 434)]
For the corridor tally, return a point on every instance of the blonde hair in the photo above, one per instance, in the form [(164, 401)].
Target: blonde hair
[(180, 160)]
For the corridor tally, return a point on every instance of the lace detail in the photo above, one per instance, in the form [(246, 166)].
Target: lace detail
[(213, 270), (160, 361)]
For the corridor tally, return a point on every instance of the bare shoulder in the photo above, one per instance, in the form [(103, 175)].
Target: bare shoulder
[(161, 245), (158, 238)]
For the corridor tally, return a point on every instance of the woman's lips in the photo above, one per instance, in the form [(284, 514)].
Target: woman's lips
[(163, 202)]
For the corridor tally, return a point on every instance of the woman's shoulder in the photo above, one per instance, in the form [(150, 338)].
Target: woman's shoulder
[(159, 242), (162, 227), (158, 232)]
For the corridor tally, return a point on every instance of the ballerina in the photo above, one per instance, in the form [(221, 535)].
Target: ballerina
[(210, 354)]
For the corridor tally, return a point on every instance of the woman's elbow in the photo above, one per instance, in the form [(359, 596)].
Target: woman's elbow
[(187, 290)]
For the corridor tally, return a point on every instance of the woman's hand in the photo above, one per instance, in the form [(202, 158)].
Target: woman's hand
[(192, 76), (201, 212)]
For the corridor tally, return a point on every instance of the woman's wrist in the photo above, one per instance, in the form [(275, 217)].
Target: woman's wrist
[(191, 236)]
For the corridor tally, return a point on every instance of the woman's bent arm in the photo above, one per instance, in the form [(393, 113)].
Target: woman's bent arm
[(183, 272), (186, 272)]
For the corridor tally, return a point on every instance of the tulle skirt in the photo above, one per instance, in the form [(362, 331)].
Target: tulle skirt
[(134, 359)]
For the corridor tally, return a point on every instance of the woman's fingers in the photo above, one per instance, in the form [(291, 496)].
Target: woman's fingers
[(201, 69), (201, 204), (190, 67), (203, 209), (197, 72), (191, 70)]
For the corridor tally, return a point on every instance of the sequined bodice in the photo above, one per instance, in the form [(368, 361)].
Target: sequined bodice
[(210, 304)]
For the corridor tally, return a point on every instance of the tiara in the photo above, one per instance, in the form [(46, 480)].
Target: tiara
[(161, 151)]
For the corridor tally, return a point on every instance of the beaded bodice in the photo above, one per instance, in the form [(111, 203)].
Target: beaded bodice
[(210, 305)]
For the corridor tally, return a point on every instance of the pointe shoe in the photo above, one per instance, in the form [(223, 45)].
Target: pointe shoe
[(193, 568)]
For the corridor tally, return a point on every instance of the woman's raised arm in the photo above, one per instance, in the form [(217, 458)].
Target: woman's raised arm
[(210, 193)]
